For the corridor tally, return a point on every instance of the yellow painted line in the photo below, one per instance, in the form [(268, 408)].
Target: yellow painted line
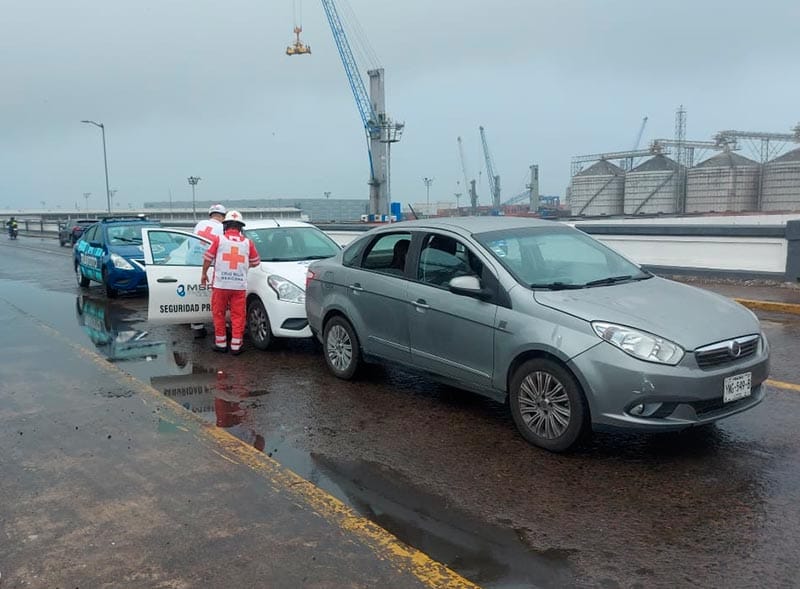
[(789, 386), (770, 306), (384, 545)]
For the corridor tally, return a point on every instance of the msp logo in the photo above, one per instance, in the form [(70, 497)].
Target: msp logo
[(181, 290), (193, 290)]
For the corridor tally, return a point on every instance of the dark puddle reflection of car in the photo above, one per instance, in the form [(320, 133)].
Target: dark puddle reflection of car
[(111, 330), (218, 396)]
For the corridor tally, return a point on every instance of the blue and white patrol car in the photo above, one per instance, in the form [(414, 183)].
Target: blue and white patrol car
[(110, 252)]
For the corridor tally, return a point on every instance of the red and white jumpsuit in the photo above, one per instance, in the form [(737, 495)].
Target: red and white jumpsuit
[(232, 255)]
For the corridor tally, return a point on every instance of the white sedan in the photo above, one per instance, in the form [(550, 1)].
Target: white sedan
[(275, 290)]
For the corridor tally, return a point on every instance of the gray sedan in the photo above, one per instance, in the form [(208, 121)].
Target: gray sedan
[(569, 333)]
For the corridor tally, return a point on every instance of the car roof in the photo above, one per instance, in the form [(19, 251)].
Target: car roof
[(273, 223), (471, 225)]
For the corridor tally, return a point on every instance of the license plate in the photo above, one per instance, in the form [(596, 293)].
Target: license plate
[(737, 387)]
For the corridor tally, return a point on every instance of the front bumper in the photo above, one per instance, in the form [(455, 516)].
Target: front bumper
[(126, 280), (288, 319), (615, 382)]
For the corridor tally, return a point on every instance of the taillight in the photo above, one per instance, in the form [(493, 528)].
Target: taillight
[(76, 228), (309, 277)]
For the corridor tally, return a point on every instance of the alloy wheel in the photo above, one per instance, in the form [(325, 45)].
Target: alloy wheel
[(544, 405), (339, 348)]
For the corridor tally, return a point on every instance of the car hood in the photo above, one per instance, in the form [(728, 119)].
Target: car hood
[(688, 316), (292, 271), (128, 251)]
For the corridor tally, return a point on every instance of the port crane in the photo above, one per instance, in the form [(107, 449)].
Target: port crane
[(381, 131), (468, 184), (494, 179)]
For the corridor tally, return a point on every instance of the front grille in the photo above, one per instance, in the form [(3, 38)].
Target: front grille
[(727, 352)]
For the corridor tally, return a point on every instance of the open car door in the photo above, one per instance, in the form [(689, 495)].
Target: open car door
[(173, 262)]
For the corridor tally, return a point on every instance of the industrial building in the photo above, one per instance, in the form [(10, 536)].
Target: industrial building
[(669, 182), (317, 210)]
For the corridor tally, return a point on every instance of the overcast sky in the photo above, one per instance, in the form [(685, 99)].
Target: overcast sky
[(203, 87)]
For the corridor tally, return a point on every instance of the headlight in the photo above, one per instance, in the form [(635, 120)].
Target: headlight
[(639, 344), (120, 262), (286, 291)]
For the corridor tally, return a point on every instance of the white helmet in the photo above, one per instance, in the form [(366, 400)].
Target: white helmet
[(234, 217), (217, 209)]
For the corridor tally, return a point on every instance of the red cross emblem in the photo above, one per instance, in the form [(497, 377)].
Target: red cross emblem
[(208, 232), (234, 258)]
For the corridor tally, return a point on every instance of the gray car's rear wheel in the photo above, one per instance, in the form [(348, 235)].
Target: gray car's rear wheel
[(258, 324), (80, 278), (341, 348), (548, 405)]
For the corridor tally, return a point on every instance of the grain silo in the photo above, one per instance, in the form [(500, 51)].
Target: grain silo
[(781, 183), (725, 182), (652, 187), (597, 190)]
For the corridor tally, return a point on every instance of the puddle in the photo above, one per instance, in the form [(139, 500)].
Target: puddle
[(491, 555), (494, 556)]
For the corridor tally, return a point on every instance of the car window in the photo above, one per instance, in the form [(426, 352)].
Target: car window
[(353, 250), (536, 256), (387, 253), (443, 258), (124, 234), (90, 234), (177, 249), (292, 244)]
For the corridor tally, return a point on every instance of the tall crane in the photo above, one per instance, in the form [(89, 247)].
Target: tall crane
[(494, 179), (380, 130), (468, 184)]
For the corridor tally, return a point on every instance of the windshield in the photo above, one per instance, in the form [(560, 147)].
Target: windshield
[(558, 258), (126, 234), (292, 244)]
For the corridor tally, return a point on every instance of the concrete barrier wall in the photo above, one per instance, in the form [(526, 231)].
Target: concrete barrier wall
[(739, 254), (733, 249)]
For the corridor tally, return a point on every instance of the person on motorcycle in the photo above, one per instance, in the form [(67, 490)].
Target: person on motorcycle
[(13, 228)]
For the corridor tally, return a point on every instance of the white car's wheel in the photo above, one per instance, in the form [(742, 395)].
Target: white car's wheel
[(258, 324)]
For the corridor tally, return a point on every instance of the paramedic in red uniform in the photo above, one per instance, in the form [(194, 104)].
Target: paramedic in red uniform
[(233, 254), (207, 228)]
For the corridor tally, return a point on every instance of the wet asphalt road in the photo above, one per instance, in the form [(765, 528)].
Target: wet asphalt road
[(445, 471)]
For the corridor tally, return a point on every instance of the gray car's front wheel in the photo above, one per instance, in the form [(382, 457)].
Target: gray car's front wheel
[(341, 348), (548, 405)]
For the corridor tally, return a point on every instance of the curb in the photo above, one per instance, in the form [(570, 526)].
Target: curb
[(775, 306)]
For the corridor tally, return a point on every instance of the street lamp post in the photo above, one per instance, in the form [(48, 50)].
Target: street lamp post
[(428, 181), (193, 180), (86, 195), (105, 160), (327, 194)]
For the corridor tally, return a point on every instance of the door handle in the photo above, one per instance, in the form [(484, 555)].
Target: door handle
[(167, 279), (357, 287), (421, 304)]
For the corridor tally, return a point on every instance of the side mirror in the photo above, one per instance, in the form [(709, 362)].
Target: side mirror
[(468, 286)]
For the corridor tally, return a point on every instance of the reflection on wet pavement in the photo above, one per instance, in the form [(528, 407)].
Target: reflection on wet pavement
[(445, 471)]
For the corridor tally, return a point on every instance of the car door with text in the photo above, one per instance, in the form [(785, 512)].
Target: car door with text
[(173, 262)]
